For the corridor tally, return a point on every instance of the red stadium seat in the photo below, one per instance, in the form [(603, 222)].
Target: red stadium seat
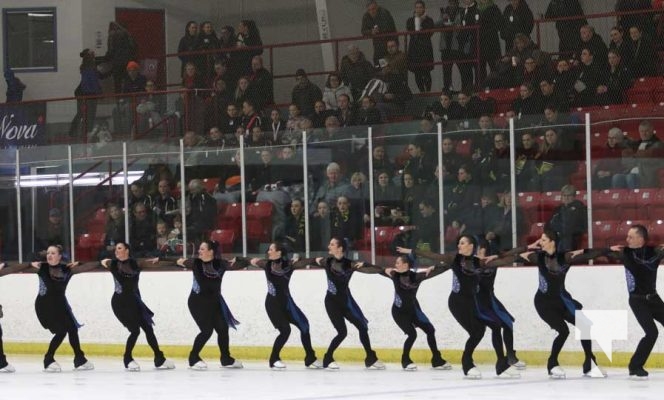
[(232, 218), (641, 200), (535, 232), (463, 147), (210, 184), (604, 233), (225, 238)]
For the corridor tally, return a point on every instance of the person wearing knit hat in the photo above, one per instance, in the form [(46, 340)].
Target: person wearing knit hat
[(135, 81), (133, 66)]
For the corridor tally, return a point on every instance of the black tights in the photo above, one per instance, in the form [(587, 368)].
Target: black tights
[(221, 328), (408, 322), (72, 332), (151, 338), (282, 338), (338, 315)]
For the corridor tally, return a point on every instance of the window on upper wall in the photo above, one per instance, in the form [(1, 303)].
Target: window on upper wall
[(30, 39)]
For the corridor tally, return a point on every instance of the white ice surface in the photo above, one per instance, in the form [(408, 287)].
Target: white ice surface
[(109, 380)]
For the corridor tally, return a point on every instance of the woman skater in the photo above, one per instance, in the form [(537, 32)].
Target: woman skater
[(207, 306), (281, 308), (553, 302), (53, 310), (463, 303), (340, 305), (4, 365), (406, 309), (128, 306)]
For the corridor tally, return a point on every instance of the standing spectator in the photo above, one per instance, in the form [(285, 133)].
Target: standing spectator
[(15, 87), (420, 50), (305, 94), (491, 23), (295, 226), (355, 70), (226, 41), (188, 43), (395, 73), (450, 16), (54, 232), (569, 219), (468, 42), (261, 84), (165, 206), (643, 159), (321, 227), (644, 57), (89, 86), (346, 222), (247, 36), (517, 18), (334, 87), (203, 211), (643, 21), (208, 42), (333, 187), (114, 230), (377, 21), (142, 232), (568, 38), (121, 49)]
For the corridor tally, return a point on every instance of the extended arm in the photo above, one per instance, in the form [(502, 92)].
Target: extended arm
[(78, 268), (367, 268), (585, 255), (6, 269), (308, 262)]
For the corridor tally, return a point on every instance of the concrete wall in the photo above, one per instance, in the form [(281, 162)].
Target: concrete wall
[(166, 294)]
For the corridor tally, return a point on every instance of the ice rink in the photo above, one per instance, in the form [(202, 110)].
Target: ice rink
[(110, 381)]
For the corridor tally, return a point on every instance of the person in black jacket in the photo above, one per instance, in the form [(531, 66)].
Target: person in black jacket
[(517, 18), (420, 49), (377, 21), (569, 219), (491, 23), (644, 57), (568, 30), (188, 43)]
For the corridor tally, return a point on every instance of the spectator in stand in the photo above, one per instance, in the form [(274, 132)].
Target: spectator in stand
[(644, 58), (138, 195), (527, 178), (427, 234), (420, 49), (320, 114), (230, 122), (263, 173), (377, 21), (394, 73), (114, 230), (468, 42), (592, 41), (642, 159), (617, 82), (190, 104), (517, 18), (15, 87), (261, 84), (568, 36), (532, 72), (569, 220), (554, 164), (305, 93), (208, 42), (550, 94), (609, 160), (345, 113), (247, 36), (563, 124), (333, 187), (334, 87), (150, 108), (321, 227), (355, 70), (226, 41), (385, 193), (511, 66), (498, 234), (450, 16), (419, 164), (165, 206), (216, 104), (491, 23), (358, 194), (250, 117), (188, 43), (276, 127), (202, 213), (121, 48), (411, 194), (221, 73), (618, 43), (485, 216), (368, 114), (591, 76), (134, 80), (142, 232), (294, 234), (643, 21), (443, 109), (241, 91), (53, 233), (451, 159), (381, 162), (482, 139), (564, 78), (495, 168), (528, 107), (346, 222), (89, 86), (470, 106)]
